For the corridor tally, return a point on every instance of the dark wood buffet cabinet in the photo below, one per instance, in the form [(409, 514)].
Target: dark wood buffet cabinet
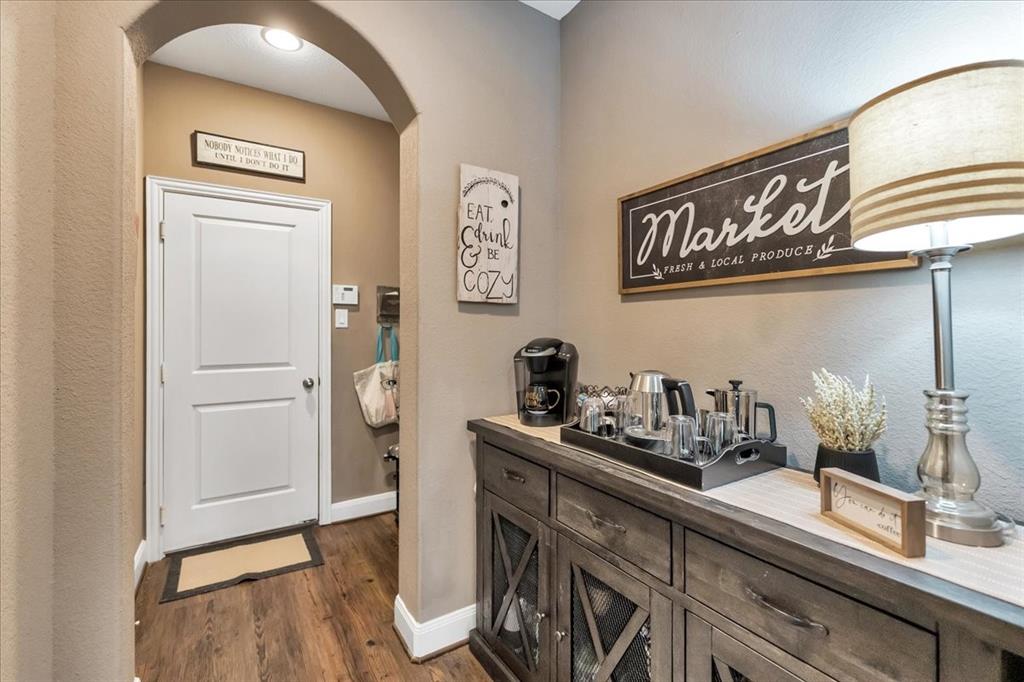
[(591, 571)]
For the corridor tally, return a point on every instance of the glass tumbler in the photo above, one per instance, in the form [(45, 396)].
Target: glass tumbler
[(721, 431), (619, 411), (591, 414), (683, 436), (702, 421)]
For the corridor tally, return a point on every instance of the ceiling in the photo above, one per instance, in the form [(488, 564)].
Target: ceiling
[(238, 53), (552, 8)]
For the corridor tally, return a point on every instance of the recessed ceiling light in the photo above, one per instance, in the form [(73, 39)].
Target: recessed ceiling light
[(282, 40)]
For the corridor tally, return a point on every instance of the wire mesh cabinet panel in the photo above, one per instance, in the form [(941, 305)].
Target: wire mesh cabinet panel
[(516, 599), (713, 656), (610, 626)]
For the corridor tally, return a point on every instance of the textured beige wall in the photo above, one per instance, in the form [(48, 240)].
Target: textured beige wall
[(352, 161), (409, 499), (69, 256), (484, 80), (26, 340), (137, 367), (95, 247), (653, 90)]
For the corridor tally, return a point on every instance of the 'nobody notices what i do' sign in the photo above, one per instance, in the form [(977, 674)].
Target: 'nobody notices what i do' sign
[(231, 153), (488, 236)]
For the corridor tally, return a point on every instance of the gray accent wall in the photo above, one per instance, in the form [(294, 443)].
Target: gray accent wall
[(655, 90)]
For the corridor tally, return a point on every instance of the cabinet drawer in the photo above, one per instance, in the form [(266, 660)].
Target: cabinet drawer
[(517, 480), (840, 636), (632, 533)]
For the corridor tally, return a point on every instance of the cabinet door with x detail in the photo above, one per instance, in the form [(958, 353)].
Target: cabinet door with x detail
[(517, 600), (610, 626)]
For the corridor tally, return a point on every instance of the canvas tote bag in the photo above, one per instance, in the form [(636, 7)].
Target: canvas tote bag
[(377, 385)]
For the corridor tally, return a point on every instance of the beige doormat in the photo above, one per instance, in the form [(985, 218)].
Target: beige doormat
[(205, 569)]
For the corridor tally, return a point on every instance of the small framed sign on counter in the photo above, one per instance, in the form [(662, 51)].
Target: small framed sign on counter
[(888, 516), (231, 153)]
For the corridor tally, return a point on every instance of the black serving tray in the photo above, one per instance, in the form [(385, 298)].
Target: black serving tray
[(740, 461)]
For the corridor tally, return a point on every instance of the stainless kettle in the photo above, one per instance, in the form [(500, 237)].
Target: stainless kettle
[(743, 405), (654, 395)]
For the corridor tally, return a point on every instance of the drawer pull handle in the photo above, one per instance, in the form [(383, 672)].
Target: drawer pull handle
[(597, 521), (798, 621), (513, 476)]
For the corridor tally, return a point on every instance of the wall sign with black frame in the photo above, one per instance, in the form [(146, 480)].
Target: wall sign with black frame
[(779, 212), (245, 156)]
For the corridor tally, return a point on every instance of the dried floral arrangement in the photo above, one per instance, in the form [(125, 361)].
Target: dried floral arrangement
[(844, 418)]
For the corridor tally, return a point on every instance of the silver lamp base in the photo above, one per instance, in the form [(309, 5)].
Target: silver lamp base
[(953, 529), (950, 477)]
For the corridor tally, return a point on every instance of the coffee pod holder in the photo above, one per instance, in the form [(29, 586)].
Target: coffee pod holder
[(741, 460)]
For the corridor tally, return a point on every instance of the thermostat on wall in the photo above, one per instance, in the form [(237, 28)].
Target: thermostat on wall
[(346, 294)]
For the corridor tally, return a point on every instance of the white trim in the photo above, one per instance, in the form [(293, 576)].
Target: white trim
[(324, 384), (423, 639), (156, 188), (139, 563), (359, 507)]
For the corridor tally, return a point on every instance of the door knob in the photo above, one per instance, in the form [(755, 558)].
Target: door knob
[(308, 382), (560, 634)]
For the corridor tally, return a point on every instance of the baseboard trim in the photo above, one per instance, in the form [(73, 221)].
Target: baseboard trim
[(346, 510), (423, 640), (357, 508), (139, 564)]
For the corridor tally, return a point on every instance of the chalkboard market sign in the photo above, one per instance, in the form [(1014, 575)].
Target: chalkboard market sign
[(780, 212)]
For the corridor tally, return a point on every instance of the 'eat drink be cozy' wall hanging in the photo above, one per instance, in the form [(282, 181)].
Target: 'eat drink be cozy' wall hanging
[(779, 212), (488, 236)]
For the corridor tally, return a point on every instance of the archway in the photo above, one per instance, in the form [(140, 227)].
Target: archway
[(165, 21)]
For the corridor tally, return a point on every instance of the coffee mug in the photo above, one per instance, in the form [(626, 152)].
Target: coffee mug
[(537, 398)]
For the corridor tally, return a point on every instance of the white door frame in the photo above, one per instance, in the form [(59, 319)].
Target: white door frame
[(156, 188)]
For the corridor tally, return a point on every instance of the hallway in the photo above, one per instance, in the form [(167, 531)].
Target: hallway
[(332, 622)]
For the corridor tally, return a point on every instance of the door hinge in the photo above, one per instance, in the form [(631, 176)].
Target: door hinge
[(161, 374), (161, 516), (163, 232)]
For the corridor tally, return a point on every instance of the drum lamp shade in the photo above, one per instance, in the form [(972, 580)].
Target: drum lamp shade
[(940, 161)]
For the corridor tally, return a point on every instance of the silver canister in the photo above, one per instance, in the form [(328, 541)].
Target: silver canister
[(742, 404)]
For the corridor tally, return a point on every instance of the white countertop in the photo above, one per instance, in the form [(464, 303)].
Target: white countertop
[(792, 497)]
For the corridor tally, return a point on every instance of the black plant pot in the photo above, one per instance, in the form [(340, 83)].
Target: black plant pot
[(862, 463)]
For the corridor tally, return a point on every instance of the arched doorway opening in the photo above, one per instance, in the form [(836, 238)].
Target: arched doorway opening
[(165, 21)]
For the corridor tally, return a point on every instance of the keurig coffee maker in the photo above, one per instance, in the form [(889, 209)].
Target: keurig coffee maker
[(546, 382)]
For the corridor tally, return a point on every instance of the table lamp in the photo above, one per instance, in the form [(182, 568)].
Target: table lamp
[(936, 166)]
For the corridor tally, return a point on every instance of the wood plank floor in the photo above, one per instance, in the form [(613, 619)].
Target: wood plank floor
[(332, 622)]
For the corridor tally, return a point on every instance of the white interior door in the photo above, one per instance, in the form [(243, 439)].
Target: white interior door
[(240, 367)]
